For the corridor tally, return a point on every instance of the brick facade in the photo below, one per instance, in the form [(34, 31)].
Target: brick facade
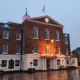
[(28, 41)]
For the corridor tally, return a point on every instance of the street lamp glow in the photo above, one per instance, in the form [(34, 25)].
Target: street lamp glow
[(52, 40)]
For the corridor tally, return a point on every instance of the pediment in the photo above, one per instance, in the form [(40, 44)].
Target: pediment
[(47, 19)]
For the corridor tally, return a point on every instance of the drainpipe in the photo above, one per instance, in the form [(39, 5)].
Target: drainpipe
[(21, 50)]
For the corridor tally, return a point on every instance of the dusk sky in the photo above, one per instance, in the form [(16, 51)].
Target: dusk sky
[(67, 12)]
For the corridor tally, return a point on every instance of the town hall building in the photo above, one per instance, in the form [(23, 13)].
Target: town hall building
[(37, 43)]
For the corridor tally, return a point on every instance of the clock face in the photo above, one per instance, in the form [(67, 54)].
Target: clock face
[(46, 20)]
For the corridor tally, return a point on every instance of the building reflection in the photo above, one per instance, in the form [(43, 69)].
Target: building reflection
[(50, 75)]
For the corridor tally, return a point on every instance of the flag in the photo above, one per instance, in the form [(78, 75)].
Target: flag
[(43, 9)]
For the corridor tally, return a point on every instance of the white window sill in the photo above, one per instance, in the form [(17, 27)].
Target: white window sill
[(35, 53), (5, 38), (57, 40), (35, 38), (17, 53), (4, 53), (47, 39), (18, 39)]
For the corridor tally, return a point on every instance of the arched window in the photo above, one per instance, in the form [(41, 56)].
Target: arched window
[(57, 35), (11, 64), (46, 34), (35, 32)]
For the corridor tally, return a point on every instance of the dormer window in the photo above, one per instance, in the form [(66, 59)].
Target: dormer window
[(57, 35), (46, 34), (35, 32), (5, 35)]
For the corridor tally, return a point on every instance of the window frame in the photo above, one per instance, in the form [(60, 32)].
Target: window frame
[(58, 61), (3, 65), (35, 62), (5, 52), (35, 48), (17, 63), (46, 34), (4, 32), (58, 48), (57, 35), (35, 33), (19, 49), (47, 49), (18, 34)]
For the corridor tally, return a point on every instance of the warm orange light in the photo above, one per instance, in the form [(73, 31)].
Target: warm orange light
[(47, 54), (52, 40)]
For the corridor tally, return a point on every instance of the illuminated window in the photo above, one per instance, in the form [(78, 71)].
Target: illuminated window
[(18, 48), (5, 34), (5, 49), (35, 48), (47, 49), (57, 35), (35, 32), (46, 34), (57, 50), (18, 36), (35, 62)]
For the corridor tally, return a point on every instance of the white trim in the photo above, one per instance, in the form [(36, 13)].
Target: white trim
[(7, 33), (19, 36), (57, 35), (47, 36), (4, 53), (36, 29), (47, 39), (17, 53)]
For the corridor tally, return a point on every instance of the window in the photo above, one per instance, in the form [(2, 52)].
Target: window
[(11, 64), (5, 34), (18, 48), (58, 61), (67, 52), (57, 50), (17, 62), (4, 49), (35, 62), (57, 35), (35, 32), (4, 63), (46, 34), (18, 36), (67, 61), (35, 48), (47, 49), (73, 61), (66, 38)]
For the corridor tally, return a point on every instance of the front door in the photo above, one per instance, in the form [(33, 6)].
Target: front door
[(48, 64)]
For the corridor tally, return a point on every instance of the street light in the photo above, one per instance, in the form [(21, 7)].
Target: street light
[(52, 40)]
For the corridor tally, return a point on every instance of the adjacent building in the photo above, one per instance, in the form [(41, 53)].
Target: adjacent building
[(37, 43)]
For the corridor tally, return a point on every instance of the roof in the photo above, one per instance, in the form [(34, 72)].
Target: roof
[(41, 19)]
